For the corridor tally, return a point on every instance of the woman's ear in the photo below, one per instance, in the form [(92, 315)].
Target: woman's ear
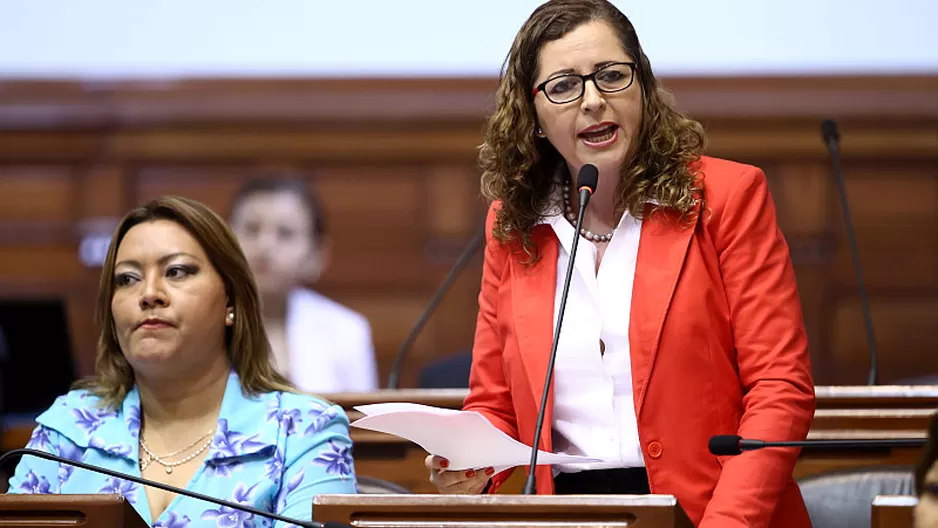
[(229, 310), (319, 259)]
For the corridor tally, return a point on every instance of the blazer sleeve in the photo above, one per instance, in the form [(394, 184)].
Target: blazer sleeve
[(489, 392), (772, 355)]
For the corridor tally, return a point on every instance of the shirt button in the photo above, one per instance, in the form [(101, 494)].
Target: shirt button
[(654, 450)]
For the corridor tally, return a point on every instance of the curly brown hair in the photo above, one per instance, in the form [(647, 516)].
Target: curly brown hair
[(248, 348), (519, 169)]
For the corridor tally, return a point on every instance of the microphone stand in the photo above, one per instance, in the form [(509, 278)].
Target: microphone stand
[(832, 140), (159, 485), (588, 172), (477, 240)]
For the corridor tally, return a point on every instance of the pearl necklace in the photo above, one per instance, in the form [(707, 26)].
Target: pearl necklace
[(571, 217), (152, 457)]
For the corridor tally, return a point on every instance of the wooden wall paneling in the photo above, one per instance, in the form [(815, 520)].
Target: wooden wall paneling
[(46, 147), (905, 336), (800, 190), (395, 160), (895, 212), (38, 249), (325, 144), (893, 197)]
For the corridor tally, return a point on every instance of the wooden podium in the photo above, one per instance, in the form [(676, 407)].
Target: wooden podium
[(501, 511), (893, 511), (87, 511)]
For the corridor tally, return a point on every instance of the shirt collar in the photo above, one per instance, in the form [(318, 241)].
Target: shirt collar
[(246, 424)]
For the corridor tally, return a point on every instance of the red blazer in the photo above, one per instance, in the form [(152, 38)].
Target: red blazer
[(718, 346)]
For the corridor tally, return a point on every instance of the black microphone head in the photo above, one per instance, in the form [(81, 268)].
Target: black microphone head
[(588, 178), (724, 445), (829, 130)]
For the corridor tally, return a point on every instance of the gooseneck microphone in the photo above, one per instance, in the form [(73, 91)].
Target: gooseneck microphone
[(165, 487), (395, 377), (728, 445), (587, 181), (832, 139)]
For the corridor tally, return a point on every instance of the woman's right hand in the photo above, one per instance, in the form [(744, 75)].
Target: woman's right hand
[(468, 482)]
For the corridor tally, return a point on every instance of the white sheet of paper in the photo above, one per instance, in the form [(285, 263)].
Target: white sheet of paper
[(465, 438)]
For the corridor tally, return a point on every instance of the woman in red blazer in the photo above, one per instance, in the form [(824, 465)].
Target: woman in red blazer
[(681, 270)]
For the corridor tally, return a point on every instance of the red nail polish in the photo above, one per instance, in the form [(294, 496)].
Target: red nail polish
[(490, 471), (444, 463), (471, 473)]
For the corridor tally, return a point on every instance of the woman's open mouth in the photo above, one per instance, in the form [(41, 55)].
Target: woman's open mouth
[(601, 136)]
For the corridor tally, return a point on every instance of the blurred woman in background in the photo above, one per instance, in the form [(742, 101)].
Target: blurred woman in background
[(320, 345)]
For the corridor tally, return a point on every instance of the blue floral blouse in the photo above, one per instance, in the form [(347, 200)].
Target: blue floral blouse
[(273, 452)]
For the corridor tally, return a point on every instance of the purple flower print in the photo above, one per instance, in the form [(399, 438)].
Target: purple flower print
[(133, 421), (72, 452), (273, 410), (226, 517), (221, 468), (121, 450), (121, 487), (319, 418), (65, 472), (292, 484), (337, 459), (289, 420), (274, 466), (89, 420), (232, 443), (40, 439), (35, 485)]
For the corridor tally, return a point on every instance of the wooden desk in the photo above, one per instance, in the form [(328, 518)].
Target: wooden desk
[(87, 511), (855, 412), (842, 412)]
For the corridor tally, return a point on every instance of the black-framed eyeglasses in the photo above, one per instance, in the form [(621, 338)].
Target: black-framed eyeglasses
[(569, 87)]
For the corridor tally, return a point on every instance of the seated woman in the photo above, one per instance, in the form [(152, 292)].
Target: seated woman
[(926, 480), (320, 345), (184, 391)]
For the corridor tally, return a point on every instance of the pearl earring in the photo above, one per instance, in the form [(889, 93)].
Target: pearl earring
[(231, 316), (538, 132)]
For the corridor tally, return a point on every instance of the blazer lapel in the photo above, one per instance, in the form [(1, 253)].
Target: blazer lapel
[(661, 251), (532, 297)]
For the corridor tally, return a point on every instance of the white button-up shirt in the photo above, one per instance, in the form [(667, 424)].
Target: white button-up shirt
[(594, 411)]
